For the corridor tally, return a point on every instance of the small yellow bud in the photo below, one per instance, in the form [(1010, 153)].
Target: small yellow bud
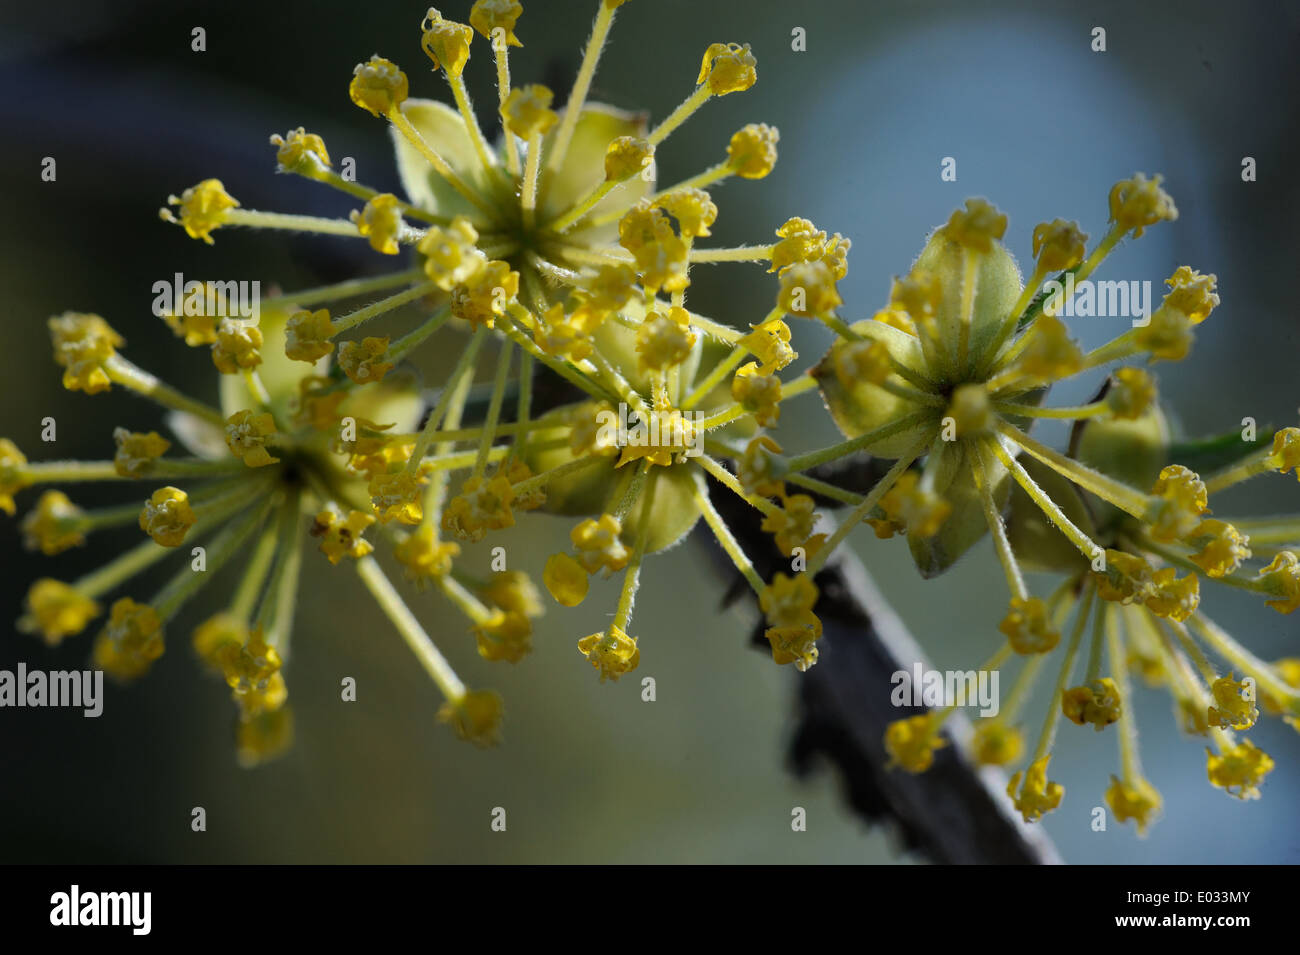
[(398, 497), (451, 255), (489, 15), (663, 341), (1282, 578), (203, 209), (83, 343), (1222, 547), (482, 505), (626, 157), (1286, 452), (361, 361), (751, 154), (247, 435), (237, 347), (1058, 245), (1239, 769), (1037, 796), (424, 557), (446, 42), (380, 221), (483, 298), (613, 653), (758, 394), (1097, 703), (861, 361), (13, 477), (167, 516), (1140, 202), (301, 152), (692, 208), (307, 335), (341, 536), (136, 452), (1171, 597), (53, 526), (1192, 293), (378, 86), (476, 717), (1236, 709), (527, 111), (1027, 627), (996, 744), (728, 68), (1182, 499), (565, 579), (56, 610), (1139, 802), (1132, 391), (977, 226), (911, 743)]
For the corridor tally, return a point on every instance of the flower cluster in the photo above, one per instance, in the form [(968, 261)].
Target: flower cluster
[(551, 249)]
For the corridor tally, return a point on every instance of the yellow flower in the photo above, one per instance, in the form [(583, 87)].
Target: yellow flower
[(424, 557), (527, 111), (801, 241), (910, 507), (728, 68), (57, 610), (692, 208), (769, 341), (53, 525), (1038, 796), (1132, 392), (341, 536), (911, 743), (488, 15), (661, 255), (130, 641), (247, 435), (1058, 245), (759, 394), (1222, 547), (1183, 499), (977, 226), (218, 639), (565, 579), (1139, 802), (1235, 709), (136, 451), (1282, 578), (787, 603), (808, 289), (751, 154), (996, 744), (451, 256), (627, 156), (1239, 769), (482, 505), (1191, 293), (483, 298), (1171, 597), (249, 672), (1286, 451), (82, 345), (863, 361), (504, 635), (1097, 703), (203, 209), (792, 525), (167, 516), (599, 545), (378, 86), (514, 591), (476, 717), (13, 477), (663, 341), (1051, 353), (1140, 202), (380, 221), (759, 469), (446, 42), (264, 737), (1027, 627), (398, 497), (307, 335), (301, 152), (613, 653), (236, 347), (360, 361)]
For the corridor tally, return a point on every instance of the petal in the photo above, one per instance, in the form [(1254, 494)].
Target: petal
[(584, 164), (444, 130)]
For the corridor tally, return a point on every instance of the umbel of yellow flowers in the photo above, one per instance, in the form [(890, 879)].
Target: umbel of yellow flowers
[(549, 247)]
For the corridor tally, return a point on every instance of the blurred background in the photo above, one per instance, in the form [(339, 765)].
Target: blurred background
[(1036, 121)]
